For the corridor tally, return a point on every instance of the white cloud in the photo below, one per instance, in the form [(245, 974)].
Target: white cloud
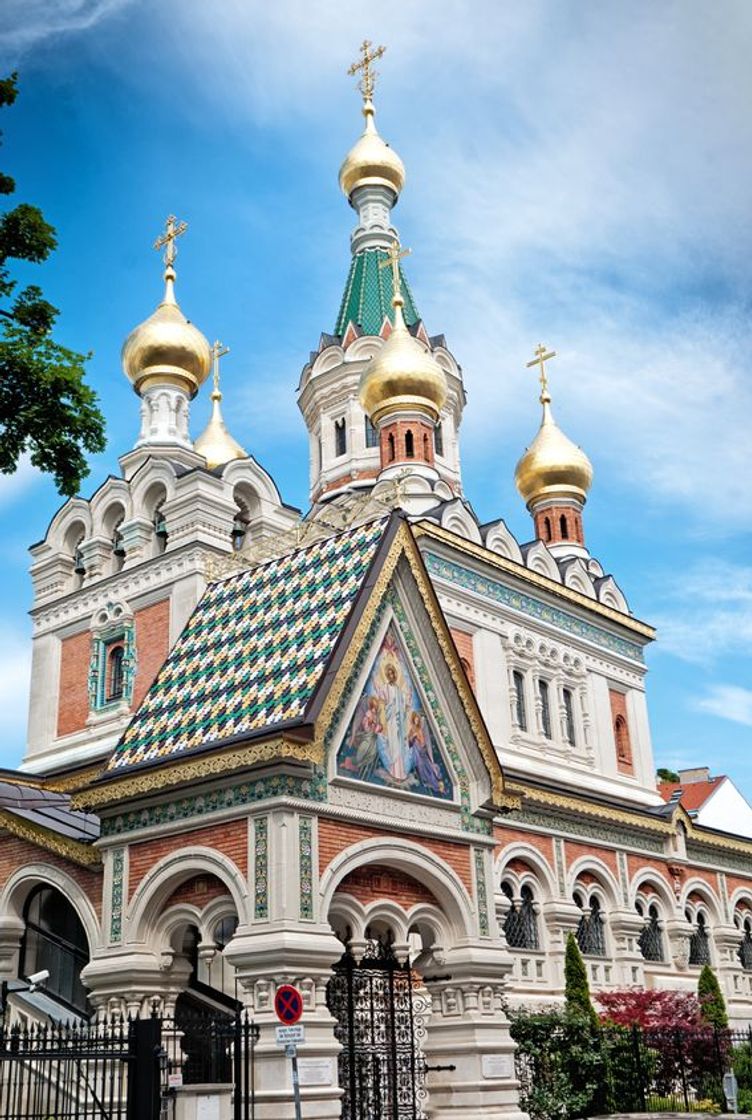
[(12, 486), (15, 670), (728, 702), (708, 612), (26, 23)]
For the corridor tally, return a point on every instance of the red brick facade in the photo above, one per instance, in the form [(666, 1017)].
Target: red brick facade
[(152, 645), (620, 724), (16, 853), (198, 892), (73, 695), (554, 524), (464, 644), (406, 441), (230, 839), (366, 884)]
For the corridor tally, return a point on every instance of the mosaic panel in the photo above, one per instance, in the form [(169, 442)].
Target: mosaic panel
[(527, 604), (481, 893), (260, 867), (116, 898), (305, 864)]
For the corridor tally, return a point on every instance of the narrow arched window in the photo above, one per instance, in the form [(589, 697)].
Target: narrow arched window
[(699, 941), (55, 940), (621, 735), (392, 449), (563, 528), (438, 439), (340, 437), (520, 711), (521, 922), (409, 445), (543, 692), (547, 528), (115, 674), (590, 934), (569, 716), (426, 451), (372, 436), (650, 941), (160, 528), (744, 950)]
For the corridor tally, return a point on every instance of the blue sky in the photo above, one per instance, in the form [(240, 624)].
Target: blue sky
[(577, 173)]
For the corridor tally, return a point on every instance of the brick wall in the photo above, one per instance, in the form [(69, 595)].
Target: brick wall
[(335, 836), (464, 644), (622, 738), (198, 892), (366, 884), (548, 524), (230, 839), (73, 696), (543, 844), (152, 645), (605, 855), (16, 853)]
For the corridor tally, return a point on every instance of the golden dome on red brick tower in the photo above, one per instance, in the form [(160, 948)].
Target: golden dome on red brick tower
[(554, 475)]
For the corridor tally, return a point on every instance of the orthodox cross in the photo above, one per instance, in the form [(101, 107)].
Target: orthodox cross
[(173, 230), (394, 254), (218, 351), (541, 357), (368, 81)]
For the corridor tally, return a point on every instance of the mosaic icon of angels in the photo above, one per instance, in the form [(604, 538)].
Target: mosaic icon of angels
[(389, 741)]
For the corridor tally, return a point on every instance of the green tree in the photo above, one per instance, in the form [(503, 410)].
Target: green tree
[(46, 409), (665, 775), (576, 986), (712, 1003)]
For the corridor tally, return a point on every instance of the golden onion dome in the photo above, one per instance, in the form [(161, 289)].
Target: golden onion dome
[(552, 466), (166, 348), (403, 375), (215, 443), (371, 162)]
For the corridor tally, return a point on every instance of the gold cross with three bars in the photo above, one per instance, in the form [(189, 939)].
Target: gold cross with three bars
[(394, 254), (218, 351), (368, 81), (173, 230), (541, 357)]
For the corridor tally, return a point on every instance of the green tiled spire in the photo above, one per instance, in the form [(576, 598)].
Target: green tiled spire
[(368, 294)]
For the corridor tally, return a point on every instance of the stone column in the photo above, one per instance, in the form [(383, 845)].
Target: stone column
[(469, 1030), (626, 927)]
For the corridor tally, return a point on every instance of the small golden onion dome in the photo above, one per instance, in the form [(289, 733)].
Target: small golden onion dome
[(402, 376), (215, 443), (371, 162), (552, 466), (166, 348)]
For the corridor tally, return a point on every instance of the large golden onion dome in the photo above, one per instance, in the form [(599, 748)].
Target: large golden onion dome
[(552, 466), (371, 162), (166, 348), (402, 376)]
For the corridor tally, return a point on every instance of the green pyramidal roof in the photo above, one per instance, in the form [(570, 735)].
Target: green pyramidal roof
[(368, 294)]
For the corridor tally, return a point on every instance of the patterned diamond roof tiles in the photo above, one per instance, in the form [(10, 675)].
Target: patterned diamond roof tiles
[(253, 650), (367, 298)]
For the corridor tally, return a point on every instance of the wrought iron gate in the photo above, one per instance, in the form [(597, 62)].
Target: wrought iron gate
[(380, 1017)]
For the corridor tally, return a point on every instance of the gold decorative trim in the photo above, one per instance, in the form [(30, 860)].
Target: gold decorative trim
[(404, 545), (426, 528), (584, 808), (74, 782), (61, 846), (192, 769)]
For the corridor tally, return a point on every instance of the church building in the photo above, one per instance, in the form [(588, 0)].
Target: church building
[(377, 748)]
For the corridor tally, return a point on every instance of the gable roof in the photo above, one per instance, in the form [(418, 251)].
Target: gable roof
[(693, 794), (252, 652), (367, 299), (45, 817)]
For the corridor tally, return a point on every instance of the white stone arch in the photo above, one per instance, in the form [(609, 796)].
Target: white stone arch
[(414, 860), (146, 906), (709, 900), (74, 510), (114, 492), (457, 519), (606, 880), (502, 542), (363, 348), (23, 881), (648, 876), (144, 484), (741, 898), (578, 578), (328, 359), (610, 594), (538, 559), (531, 856)]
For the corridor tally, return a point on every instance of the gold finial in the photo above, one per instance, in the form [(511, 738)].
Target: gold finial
[(368, 81), (218, 351), (173, 230), (394, 254), (541, 357)]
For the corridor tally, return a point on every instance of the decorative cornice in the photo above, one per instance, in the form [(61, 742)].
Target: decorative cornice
[(183, 771), (579, 806), (66, 783), (427, 528), (73, 850)]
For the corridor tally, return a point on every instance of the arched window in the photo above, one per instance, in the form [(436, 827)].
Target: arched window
[(372, 436), (699, 941), (547, 528), (650, 941), (543, 692), (55, 940), (409, 445), (621, 735), (521, 922), (238, 532), (569, 716), (115, 675), (563, 528), (438, 439), (744, 950), (426, 451), (392, 450), (118, 547), (520, 712), (590, 934), (340, 437), (160, 528)]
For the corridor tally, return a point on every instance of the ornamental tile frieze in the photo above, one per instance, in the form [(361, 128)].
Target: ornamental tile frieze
[(577, 829)]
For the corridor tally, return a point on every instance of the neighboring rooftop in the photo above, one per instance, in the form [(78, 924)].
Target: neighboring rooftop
[(693, 789)]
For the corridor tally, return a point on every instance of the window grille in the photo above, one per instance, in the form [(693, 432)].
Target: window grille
[(519, 700), (340, 437), (699, 943), (650, 940), (55, 940), (590, 934), (115, 674), (521, 922), (545, 708), (438, 439), (569, 716), (409, 445), (372, 436), (745, 947)]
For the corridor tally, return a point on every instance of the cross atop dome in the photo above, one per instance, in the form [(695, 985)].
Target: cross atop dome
[(368, 82)]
